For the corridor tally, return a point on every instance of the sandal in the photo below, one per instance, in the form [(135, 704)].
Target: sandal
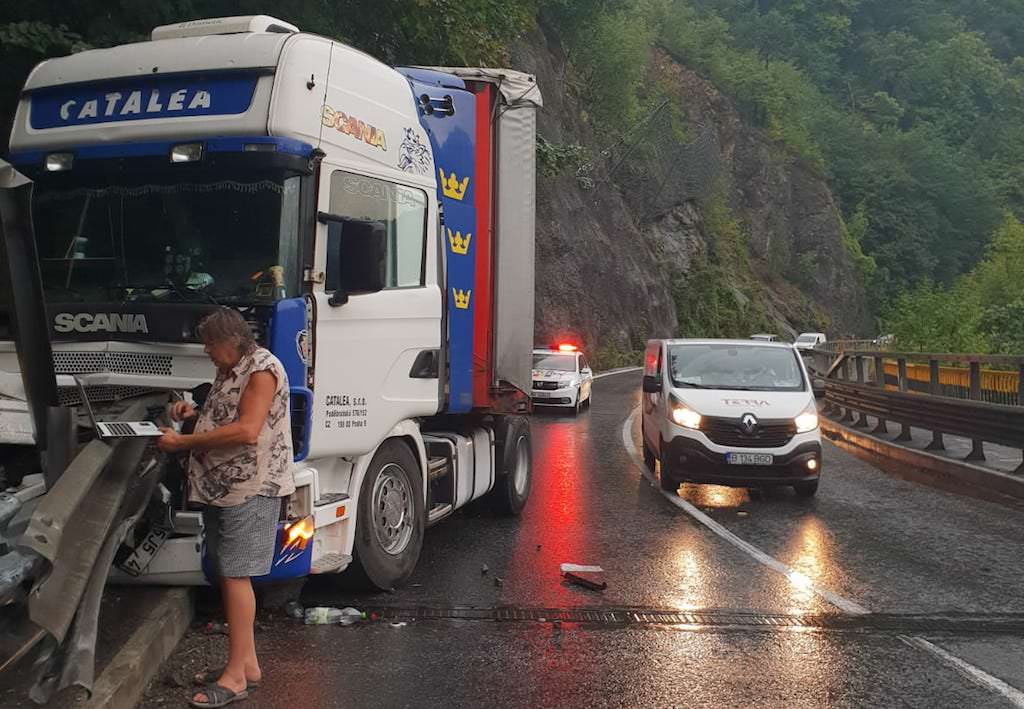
[(211, 676), (218, 696)]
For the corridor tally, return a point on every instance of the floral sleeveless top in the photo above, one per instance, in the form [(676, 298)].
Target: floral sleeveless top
[(225, 477)]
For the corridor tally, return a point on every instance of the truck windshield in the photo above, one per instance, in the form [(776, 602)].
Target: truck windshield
[(742, 368), (211, 238)]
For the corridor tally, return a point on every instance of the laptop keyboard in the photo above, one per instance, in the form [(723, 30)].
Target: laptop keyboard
[(119, 429)]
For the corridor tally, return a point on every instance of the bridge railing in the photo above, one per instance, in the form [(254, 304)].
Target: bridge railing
[(980, 397)]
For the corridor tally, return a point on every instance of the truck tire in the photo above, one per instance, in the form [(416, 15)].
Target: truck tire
[(391, 518), (514, 465)]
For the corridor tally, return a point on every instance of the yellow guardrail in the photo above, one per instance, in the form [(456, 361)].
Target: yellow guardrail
[(991, 380)]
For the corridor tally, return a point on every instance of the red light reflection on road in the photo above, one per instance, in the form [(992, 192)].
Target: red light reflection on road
[(557, 516)]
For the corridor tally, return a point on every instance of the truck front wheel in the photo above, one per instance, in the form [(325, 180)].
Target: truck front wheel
[(513, 465), (391, 518)]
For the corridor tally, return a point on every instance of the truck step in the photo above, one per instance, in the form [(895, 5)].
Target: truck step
[(438, 512), (330, 564), (437, 468), (330, 498)]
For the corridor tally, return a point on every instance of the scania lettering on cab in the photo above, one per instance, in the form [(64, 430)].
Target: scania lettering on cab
[(374, 226)]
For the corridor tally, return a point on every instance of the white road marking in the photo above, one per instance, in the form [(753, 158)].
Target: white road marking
[(621, 370), (975, 674)]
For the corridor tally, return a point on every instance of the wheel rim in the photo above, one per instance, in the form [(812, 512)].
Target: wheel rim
[(521, 471), (393, 509)]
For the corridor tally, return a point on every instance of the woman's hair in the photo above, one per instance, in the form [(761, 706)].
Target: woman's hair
[(227, 325)]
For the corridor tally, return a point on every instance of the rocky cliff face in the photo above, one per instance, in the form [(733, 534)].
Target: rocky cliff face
[(614, 237)]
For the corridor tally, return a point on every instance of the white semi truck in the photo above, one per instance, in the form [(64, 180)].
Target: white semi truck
[(374, 225)]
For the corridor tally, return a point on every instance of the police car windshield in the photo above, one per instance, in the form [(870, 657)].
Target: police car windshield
[(742, 368), (555, 362), (212, 237)]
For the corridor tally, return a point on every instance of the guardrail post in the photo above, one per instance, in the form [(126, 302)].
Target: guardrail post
[(882, 427), (935, 388), (847, 411), (862, 418), (904, 386), (977, 446), (1020, 385)]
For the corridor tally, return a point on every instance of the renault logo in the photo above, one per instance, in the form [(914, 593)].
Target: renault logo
[(749, 423)]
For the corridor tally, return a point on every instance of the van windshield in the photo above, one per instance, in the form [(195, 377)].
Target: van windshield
[(738, 368), (803, 339)]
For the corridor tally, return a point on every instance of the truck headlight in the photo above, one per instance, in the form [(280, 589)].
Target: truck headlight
[(683, 415), (807, 420)]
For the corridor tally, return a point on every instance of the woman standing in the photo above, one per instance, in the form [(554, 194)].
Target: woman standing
[(240, 470)]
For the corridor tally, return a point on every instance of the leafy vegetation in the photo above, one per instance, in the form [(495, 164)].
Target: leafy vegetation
[(983, 311)]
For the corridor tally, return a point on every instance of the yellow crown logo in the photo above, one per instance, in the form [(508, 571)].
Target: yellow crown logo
[(461, 298), (459, 245), (452, 188)]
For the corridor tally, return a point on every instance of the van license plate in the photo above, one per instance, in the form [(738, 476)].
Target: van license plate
[(541, 395), (749, 458)]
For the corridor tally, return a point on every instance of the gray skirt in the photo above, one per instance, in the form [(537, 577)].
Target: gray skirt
[(240, 540)]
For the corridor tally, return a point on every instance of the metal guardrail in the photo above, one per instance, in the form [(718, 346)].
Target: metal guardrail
[(857, 386)]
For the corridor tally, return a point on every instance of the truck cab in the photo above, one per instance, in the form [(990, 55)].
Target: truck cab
[(360, 217)]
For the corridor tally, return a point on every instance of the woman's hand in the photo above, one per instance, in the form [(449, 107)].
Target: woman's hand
[(182, 411), (171, 441)]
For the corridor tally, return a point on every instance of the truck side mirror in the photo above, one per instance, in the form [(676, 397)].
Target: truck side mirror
[(652, 385), (356, 256)]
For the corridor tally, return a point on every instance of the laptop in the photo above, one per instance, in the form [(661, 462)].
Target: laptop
[(118, 429)]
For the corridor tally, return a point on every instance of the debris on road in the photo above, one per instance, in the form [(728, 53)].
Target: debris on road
[(215, 628), (294, 609), (498, 581), (742, 513), (398, 624), (586, 576), (484, 569), (325, 615)]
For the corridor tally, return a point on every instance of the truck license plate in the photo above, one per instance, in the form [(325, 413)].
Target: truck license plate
[(139, 559), (749, 458)]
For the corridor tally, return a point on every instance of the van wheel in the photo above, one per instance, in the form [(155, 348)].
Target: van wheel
[(649, 460), (514, 465), (668, 483), (806, 489), (391, 518), (579, 403)]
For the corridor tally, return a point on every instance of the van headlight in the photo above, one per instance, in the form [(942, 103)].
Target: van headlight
[(683, 415), (564, 383), (807, 420)]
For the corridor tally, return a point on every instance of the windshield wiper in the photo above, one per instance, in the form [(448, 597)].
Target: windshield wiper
[(185, 293), (692, 385)]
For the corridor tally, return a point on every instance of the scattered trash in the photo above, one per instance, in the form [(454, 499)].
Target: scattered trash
[(585, 576), (416, 585), (498, 581), (742, 513), (294, 609), (398, 624), (215, 628), (484, 569), (324, 615), (585, 582)]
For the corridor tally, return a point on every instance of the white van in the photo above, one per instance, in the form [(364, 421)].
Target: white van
[(730, 412), (810, 340)]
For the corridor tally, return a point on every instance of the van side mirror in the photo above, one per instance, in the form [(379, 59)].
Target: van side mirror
[(652, 385), (356, 257)]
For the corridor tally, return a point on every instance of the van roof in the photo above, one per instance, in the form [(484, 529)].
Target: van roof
[(714, 341)]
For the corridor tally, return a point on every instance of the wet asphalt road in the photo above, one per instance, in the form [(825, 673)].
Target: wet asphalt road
[(879, 592)]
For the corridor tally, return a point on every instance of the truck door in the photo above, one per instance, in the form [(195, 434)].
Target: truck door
[(373, 354)]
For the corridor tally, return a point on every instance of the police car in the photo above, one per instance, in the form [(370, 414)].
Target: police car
[(562, 377)]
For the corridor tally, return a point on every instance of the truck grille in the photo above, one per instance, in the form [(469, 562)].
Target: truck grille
[(115, 362), (550, 386), (729, 432)]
